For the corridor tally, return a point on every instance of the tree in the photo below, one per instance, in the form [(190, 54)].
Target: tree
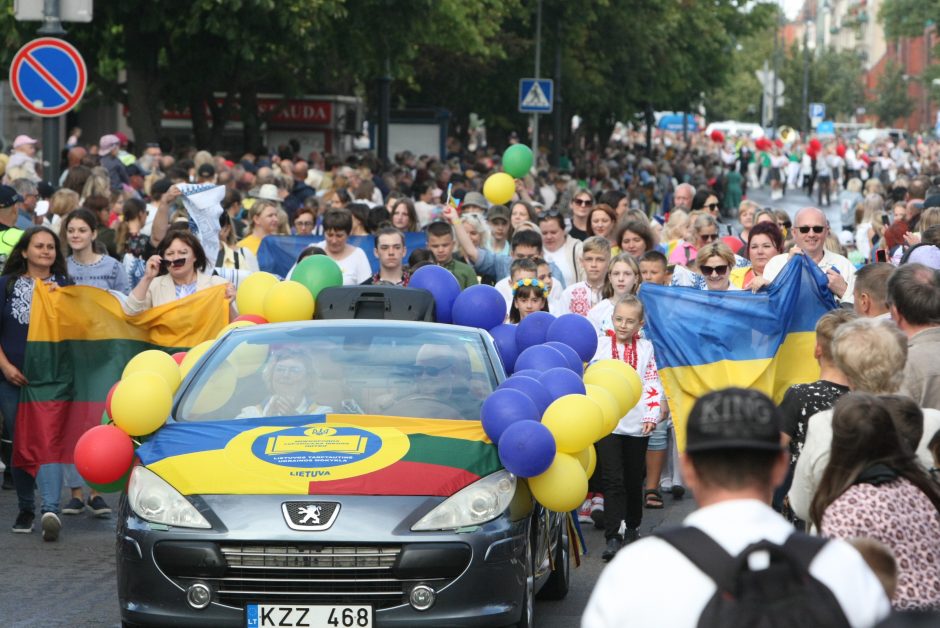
[(892, 101), (907, 18)]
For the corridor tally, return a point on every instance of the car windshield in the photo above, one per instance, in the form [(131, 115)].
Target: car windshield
[(412, 371)]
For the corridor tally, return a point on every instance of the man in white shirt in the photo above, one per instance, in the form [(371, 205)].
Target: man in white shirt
[(810, 230), (732, 462)]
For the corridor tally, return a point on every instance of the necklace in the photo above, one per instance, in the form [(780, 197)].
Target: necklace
[(629, 350)]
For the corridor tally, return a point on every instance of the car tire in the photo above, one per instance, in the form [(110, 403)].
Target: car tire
[(527, 619), (556, 587)]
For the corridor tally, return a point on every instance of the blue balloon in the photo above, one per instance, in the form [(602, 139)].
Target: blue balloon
[(527, 448), (575, 331), (442, 285), (560, 382), (527, 373), (532, 388), (503, 408), (531, 331), (479, 306), (574, 360), (540, 358), (504, 337)]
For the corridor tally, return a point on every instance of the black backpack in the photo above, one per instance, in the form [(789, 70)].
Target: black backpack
[(784, 595)]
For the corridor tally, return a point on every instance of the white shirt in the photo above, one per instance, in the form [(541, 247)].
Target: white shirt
[(649, 408), (567, 259), (630, 591), (829, 260), (355, 267), (602, 316), (814, 457)]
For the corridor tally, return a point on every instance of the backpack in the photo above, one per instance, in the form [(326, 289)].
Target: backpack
[(784, 595)]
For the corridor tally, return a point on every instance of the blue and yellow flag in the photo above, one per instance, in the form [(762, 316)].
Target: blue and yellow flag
[(706, 341)]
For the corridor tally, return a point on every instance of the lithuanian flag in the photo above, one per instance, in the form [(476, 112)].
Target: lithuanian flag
[(707, 341), (334, 454), (78, 343)]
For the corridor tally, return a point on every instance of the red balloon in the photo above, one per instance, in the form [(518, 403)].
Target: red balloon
[(733, 242), (815, 144), (778, 142), (179, 356), (254, 318), (107, 401), (103, 454), (840, 150), (718, 136)]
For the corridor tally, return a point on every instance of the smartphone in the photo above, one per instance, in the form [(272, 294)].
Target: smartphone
[(885, 220), (881, 256)]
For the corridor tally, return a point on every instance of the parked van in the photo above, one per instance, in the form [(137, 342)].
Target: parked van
[(731, 128)]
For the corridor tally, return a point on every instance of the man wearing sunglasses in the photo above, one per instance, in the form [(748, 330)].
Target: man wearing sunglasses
[(810, 231)]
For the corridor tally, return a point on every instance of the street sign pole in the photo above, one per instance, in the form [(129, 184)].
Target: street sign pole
[(538, 75), (50, 126)]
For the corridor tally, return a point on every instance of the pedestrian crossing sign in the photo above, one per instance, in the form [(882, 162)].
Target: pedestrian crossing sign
[(535, 95)]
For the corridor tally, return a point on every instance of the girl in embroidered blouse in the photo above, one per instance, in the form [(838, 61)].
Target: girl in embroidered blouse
[(528, 295), (622, 454), (623, 278)]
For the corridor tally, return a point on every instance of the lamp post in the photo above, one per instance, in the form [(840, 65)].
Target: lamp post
[(805, 108)]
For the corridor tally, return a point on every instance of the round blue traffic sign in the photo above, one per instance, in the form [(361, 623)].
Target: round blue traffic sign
[(48, 76)]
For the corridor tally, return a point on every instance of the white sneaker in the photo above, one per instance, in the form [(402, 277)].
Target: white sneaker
[(51, 524), (584, 513)]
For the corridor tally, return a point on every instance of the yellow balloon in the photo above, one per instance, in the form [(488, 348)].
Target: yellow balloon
[(251, 293), (141, 403), (158, 362), (288, 301), (563, 486), (218, 390), (248, 358), (574, 421), (615, 384), (193, 355), (588, 460), (610, 408), (234, 325), (633, 382), (499, 188)]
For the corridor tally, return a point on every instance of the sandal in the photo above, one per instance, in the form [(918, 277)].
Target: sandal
[(653, 498)]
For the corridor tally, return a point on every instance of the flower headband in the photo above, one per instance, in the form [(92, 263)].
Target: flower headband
[(530, 281)]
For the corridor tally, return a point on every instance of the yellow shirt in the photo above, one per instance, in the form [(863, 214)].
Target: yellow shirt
[(251, 242)]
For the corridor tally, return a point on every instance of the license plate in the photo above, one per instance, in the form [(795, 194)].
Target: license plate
[(294, 616)]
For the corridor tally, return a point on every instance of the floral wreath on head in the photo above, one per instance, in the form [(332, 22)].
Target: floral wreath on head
[(530, 281)]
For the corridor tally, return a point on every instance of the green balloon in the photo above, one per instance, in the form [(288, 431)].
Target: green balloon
[(105, 419), (517, 160), (316, 273)]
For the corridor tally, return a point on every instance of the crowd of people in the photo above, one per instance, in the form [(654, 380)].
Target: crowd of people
[(570, 241)]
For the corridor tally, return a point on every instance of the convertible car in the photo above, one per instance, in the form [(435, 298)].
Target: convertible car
[(335, 474)]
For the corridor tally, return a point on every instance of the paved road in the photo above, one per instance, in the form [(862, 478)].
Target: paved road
[(794, 201), (72, 582)]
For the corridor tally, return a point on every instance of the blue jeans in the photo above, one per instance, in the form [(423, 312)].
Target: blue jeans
[(49, 477)]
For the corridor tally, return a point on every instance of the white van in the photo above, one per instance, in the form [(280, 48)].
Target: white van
[(731, 128)]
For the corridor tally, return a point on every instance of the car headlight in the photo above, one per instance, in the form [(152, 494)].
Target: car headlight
[(482, 501), (153, 499)]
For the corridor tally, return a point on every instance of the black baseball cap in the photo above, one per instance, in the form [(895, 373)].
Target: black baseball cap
[(9, 197), (733, 418)]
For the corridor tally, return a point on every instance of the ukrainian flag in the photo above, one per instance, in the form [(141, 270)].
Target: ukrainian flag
[(706, 341)]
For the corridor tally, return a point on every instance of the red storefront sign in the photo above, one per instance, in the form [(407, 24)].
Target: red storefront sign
[(284, 112)]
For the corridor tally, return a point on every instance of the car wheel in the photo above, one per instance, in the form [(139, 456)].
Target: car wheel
[(527, 619), (556, 587)]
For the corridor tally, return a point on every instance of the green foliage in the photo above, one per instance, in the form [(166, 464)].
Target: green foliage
[(892, 101), (907, 18)]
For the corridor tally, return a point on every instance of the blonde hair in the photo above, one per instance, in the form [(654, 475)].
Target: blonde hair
[(596, 244), (827, 325), (63, 201), (715, 249), (629, 260), (677, 225), (929, 217), (257, 209), (871, 353), (98, 184)]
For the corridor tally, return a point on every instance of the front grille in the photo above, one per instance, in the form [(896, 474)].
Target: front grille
[(309, 573)]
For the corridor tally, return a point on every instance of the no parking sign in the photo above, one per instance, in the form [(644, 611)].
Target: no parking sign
[(48, 76)]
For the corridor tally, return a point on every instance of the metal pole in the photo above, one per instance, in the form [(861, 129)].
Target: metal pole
[(556, 111), (804, 127), (50, 126), (773, 102), (538, 75), (385, 105)]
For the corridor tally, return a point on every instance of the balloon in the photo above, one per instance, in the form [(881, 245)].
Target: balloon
[(610, 408), (527, 373), (615, 384), (113, 487), (234, 325), (504, 337), (517, 161), (218, 390), (632, 379), (179, 356), (479, 306), (442, 285), (563, 485), (526, 448), (502, 408), (250, 296), (560, 382), (574, 360), (533, 328), (104, 453), (140, 405), (253, 318), (288, 301), (105, 419), (575, 331), (531, 388), (317, 272), (158, 362), (718, 136), (574, 421), (588, 460), (499, 188), (248, 358), (193, 355), (541, 358), (107, 401)]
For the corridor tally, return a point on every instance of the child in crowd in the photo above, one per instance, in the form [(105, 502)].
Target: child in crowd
[(441, 242), (654, 268), (528, 295), (579, 298), (523, 268), (623, 278), (555, 293), (622, 454)]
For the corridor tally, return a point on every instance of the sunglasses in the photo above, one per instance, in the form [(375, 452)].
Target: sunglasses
[(551, 213), (815, 228), (708, 237), (714, 270), (179, 262), (712, 206), (582, 202), (433, 371)]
